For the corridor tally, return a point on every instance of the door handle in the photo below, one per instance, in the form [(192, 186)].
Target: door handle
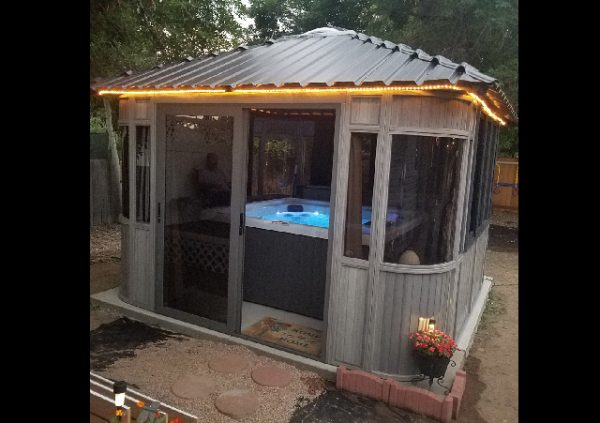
[(242, 223), (158, 212)]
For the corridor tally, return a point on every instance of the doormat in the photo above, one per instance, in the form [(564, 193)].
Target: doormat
[(290, 335)]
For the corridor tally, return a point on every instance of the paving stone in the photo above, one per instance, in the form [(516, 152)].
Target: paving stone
[(271, 376), (237, 403), (194, 387), (232, 363)]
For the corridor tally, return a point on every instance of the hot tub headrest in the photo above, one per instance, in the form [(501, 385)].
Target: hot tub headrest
[(295, 208)]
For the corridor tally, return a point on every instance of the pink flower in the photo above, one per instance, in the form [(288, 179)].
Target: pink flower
[(432, 349)]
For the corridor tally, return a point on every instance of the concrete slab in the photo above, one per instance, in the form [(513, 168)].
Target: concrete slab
[(271, 376), (237, 403)]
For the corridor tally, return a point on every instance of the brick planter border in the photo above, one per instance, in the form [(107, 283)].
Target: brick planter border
[(396, 394)]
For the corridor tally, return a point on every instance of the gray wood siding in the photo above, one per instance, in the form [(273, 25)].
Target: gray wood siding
[(423, 113), (350, 294), (464, 285), (403, 299), (479, 265), (141, 287), (124, 286), (470, 279), (365, 110)]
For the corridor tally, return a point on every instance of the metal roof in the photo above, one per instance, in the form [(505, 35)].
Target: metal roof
[(322, 57)]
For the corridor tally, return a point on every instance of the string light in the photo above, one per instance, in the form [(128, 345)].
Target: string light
[(159, 92), (261, 91)]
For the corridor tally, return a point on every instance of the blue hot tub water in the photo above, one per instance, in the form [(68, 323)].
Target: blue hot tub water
[(313, 215)]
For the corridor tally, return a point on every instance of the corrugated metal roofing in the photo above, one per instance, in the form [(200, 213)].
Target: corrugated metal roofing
[(321, 57)]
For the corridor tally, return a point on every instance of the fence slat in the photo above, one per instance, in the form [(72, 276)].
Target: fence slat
[(506, 184), (100, 197)]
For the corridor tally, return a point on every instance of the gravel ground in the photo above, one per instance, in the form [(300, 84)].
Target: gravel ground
[(155, 368), (105, 243), (505, 218)]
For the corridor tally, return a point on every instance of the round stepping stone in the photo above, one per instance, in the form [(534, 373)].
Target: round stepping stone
[(271, 376), (232, 363), (194, 387), (237, 403)]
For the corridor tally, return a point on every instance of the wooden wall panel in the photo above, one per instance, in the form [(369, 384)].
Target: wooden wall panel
[(470, 279), (365, 110), (419, 112), (349, 305), (478, 268), (123, 110), (124, 286), (141, 289), (463, 291), (142, 108), (404, 298)]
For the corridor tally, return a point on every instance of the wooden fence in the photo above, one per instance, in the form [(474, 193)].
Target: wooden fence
[(506, 184), (101, 201)]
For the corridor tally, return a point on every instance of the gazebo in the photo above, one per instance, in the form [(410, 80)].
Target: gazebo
[(317, 193)]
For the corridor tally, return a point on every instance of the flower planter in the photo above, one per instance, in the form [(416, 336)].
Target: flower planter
[(434, 367)]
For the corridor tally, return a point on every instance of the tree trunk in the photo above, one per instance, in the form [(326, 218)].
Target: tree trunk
[(113, 164)]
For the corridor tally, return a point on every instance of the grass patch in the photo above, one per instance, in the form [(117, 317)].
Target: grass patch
[(494, 307)]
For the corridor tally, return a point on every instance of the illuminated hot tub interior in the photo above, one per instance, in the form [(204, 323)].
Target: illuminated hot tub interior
[(284, 215)]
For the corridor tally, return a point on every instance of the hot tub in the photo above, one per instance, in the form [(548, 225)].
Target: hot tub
[(286, 254), (312, 221)]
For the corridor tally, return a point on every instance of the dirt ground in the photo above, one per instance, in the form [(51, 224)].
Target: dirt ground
[(105, 243), (491, 394), (492, 386), (105, 268)]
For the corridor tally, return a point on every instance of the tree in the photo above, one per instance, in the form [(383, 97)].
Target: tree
[(137, 34), (483, 33)]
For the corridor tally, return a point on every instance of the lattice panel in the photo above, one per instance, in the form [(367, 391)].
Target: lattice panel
[(200, 253)]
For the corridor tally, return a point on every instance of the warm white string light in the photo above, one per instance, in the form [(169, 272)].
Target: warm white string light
[(244, 91)]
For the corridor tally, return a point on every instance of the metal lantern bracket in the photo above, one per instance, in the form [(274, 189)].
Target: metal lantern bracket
[(439, 381)]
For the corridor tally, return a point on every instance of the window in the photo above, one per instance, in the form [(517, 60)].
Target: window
[(422, 199), (123, 140), (480, 207), (361, 176), (142, 174), (291, 154)]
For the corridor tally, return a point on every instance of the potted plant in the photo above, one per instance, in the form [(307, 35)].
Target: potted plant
[(433, 350)]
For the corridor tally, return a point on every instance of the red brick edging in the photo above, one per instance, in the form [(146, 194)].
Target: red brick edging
[(396, 394)]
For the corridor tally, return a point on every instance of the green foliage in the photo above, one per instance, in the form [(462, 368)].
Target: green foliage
[(97, 119), (98, 114), (137, 34), (483, 33), (508, 142)]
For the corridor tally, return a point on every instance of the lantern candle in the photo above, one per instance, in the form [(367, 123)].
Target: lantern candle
[(423, 323), (431, 324)]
